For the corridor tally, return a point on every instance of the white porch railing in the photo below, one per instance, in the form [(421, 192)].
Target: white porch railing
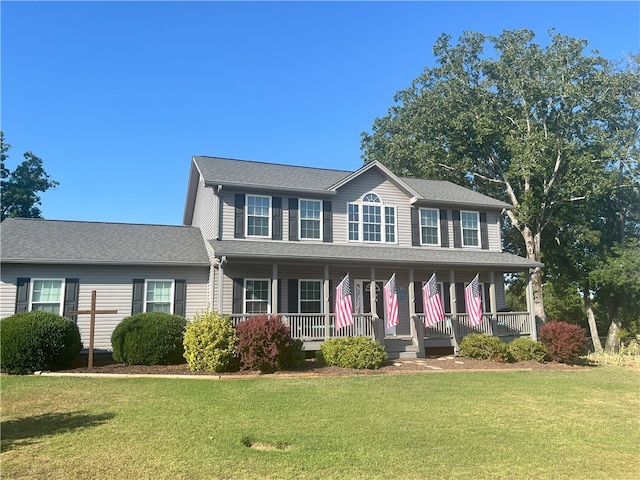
[(313, 326), (505, 324)]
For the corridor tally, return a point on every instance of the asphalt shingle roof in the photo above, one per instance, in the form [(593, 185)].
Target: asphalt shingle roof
[(250, 174), (59, 241), (370, 254)]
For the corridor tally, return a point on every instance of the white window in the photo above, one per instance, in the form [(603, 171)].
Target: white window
[(470, 229), (257, 296), (258, 216), (310, 296), (310, 219), (366, 220), (46, 295), (159, 296), (429, 226)]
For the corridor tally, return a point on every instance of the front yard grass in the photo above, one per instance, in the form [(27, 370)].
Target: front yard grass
[(506, 425)]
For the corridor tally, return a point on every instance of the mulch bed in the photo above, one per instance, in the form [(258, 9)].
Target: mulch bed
[(313, 368)]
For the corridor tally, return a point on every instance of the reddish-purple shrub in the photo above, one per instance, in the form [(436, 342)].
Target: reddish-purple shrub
[(265, 344), (565, 341)]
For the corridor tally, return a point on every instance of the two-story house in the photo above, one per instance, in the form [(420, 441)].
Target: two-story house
[(268, 238)]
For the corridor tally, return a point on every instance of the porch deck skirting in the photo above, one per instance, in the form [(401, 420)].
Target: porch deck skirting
[(313, 328)]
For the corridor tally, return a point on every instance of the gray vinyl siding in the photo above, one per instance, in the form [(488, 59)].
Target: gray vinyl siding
[(114, 290), (203, 211)]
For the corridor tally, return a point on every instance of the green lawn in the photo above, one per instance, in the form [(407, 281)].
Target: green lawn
[(512, 425)]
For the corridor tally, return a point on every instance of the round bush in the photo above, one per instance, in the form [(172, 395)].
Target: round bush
[(523, 349), (484, 347), (265, 344), (564, 341), (353, 352), (33, 341), (210, 342), (153, 338)]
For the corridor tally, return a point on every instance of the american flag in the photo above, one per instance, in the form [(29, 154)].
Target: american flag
[(343, 307), (391, 302), (432, 302), (473, 302)]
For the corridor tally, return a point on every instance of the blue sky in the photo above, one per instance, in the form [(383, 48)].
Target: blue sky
[(116, 97)]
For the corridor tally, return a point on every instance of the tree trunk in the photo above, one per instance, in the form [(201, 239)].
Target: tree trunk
[(532, 244), (612, 344), (591, 319)]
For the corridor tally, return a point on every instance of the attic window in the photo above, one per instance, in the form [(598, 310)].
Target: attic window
[(370, 221)]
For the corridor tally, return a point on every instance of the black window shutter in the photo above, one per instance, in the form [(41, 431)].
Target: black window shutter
[(71, 291), (415, 227), (461, 307), (137, 305), (446, 295), (238, 231), (417, 288), (457, 229), (180, 298), (292, 306), (486, 304), (327, 220), (276, 218), (293, 219), (22, 295), (238, 293), (484, 232), (444, 228)]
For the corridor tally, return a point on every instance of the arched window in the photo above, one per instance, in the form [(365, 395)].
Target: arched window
[(371, 221)]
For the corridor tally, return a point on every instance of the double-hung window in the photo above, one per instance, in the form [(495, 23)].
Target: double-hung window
[(46, 295), (470, 229), (257, 296), (429, 226), (371, 221), (258, 216), (159, 296), (310, 296), (310, 219)]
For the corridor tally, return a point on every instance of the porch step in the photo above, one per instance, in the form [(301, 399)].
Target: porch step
[(401, 348)]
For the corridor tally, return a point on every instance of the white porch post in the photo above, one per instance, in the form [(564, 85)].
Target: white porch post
[(454, 310), (327, 303), (492, 301), (417, 328), (274, 289), (372, 293), (530, 307)]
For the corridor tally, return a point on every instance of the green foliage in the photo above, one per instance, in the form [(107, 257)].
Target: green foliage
[(265, 344), (153, 338), (562, 301), (353, 352), (523, 349), (484, 347), (19, 188), (210, 342), (32, 341), (564, 341)]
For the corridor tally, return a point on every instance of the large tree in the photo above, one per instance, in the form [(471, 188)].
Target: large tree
[(20, 187), (505, 116)]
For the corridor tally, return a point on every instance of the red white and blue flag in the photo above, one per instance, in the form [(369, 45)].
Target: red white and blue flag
[(391, 302), (473, 302), (432, 302), (343, 306)]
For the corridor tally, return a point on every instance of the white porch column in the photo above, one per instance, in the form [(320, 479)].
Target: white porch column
[(530, 307), (327, 303), (492, 301), (417, 327), (372, 293), (454, 311), (274, 289)]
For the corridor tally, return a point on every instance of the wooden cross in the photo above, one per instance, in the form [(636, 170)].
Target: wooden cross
[(93, 312)]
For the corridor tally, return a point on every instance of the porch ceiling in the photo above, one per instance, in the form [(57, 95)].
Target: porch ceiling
[(369, 254)]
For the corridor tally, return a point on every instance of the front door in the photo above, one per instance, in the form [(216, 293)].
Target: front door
[(362, 301)]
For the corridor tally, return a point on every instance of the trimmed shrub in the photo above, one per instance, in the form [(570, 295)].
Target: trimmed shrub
[(565, 341), (265, 344), (353, 352), (484, 347), (523, 349), (210, 343), (153, 338), (32, 341)]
